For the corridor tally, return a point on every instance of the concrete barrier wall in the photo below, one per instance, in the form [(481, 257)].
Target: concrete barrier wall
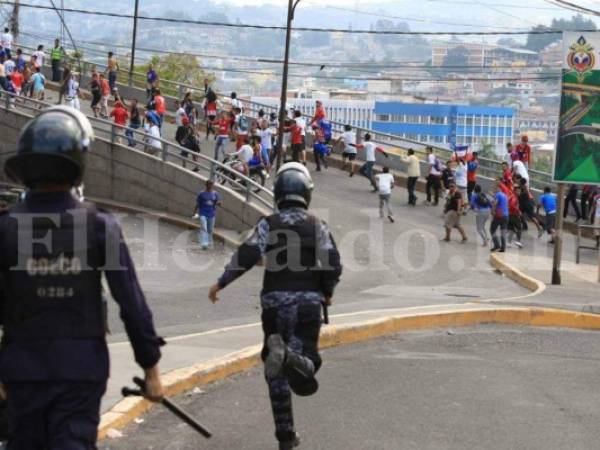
[(129, 176)]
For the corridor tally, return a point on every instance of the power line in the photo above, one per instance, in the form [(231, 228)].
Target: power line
[(504, 5), (504, 13), (574, 7), (316, 30), (407, 19), (333, 65)]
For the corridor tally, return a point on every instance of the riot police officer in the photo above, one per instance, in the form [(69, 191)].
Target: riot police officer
[(53, 251), (302, 268)]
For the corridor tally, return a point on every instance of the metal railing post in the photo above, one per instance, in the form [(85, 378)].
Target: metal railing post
[(165, 151), (247, 192), (113, 134), (181, 91)]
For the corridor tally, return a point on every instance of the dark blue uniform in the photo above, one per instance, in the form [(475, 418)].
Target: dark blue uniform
[(291, 298), (54, 358)]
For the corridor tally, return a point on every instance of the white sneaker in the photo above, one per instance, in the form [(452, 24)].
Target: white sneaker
[(518, 244)]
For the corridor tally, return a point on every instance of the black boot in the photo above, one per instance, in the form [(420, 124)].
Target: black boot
[(276, 357), (289, 445)]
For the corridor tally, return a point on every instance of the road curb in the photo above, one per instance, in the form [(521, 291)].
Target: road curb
[(511, 272), (184, 379)]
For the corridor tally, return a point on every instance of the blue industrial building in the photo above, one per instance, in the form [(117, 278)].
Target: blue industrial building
[(446, 125)]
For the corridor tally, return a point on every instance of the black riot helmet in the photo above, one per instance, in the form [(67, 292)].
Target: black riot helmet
[(293, 186), (52, 148)]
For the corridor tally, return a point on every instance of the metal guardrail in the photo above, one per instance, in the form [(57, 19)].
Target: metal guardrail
[(578, 245), (488, 167), (169, 151)]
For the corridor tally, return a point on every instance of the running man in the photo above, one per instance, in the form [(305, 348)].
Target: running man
[(385, 184), (367, 168), (348, 138), (549, 203)]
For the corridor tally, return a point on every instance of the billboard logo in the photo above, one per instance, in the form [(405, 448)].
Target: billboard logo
[(581, 58)]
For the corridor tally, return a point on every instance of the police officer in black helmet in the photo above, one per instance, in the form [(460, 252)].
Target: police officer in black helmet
[(302, 268), (53, 250)]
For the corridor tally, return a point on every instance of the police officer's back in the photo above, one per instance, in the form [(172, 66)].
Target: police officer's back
[(54, 249), (302, 268)]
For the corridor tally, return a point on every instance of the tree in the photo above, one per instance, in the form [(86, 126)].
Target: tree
[(389, 25), (537, 42), (180, 68), (457, 56), (508, 42)]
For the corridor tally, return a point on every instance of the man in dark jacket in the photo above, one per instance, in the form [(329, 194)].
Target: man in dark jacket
[(302, 268), (54, 358)]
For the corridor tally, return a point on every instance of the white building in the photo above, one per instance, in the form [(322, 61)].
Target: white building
[(358, 113)]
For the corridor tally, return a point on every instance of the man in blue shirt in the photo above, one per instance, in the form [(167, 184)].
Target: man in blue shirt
[(206, 209), (151, 80), (499, 219), (548, 202)]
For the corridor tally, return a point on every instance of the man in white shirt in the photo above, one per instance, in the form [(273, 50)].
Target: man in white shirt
[(301, 122), (180, 114), (73, 93), (244, 155), (236, 103), (9, 67), (39, 56), (154, 145), (414, 172), (385, 184), (348, 138), (6, 41), (366, 169), (266, 136), (433, 177), (520, 169)]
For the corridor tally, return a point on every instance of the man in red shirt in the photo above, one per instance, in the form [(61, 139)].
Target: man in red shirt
[(160, 106), (17, 79), (297, 140), (524, 151), (120, 116), (319, 114), (105, 90), (515, 225), (223, 126)]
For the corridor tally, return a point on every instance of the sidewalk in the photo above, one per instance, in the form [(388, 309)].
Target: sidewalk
[(579, 288)]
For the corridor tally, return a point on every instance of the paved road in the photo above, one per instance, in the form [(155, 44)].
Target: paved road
[(417, 271), (492, 388)]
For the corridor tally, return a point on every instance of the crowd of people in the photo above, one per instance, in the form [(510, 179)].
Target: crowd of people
[(510, 208)]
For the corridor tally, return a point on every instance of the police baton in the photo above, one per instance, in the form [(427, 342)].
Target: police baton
[(169, 404)]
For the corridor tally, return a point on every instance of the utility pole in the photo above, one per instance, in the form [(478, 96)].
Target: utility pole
[(133, 40), (284, 82), (558, 239), (14, 21), (62, 23)]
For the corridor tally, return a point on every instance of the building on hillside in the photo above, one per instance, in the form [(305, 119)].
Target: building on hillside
[(446, 125), (384, 87), (488, 55), (539, 127), (510, 57), (476, 57), (552, 54)]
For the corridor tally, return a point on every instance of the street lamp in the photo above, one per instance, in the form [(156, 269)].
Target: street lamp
[(284, 82)]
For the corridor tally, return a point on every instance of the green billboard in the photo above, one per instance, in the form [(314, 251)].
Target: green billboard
[(577, 158)]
